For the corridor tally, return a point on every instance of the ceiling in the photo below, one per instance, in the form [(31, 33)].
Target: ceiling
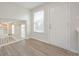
[(29, 5)]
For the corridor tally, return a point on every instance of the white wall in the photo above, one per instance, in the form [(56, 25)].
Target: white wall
[(15, 12), (61, 21), (74, 13), (45, 36), (41, 36), (9, 10)]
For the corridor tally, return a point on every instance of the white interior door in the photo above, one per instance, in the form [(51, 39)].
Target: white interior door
[(59, 26)]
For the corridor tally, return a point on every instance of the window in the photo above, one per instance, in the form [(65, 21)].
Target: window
[(39, 21), (1, 32), (23, 30), (13, 29)]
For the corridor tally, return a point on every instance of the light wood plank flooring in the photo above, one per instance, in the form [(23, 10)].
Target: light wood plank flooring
[(33, 47)]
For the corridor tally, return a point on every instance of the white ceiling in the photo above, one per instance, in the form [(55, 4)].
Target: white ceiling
[(29, 5)]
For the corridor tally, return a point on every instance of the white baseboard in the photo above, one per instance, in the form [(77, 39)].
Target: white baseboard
[(57, 45), (73, 50)]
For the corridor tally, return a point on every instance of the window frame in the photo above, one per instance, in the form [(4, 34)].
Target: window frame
[(42, 21)]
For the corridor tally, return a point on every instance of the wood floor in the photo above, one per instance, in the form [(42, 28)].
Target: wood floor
[(33, 47)]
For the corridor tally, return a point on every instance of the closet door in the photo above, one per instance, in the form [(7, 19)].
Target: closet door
[(59, 26)]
